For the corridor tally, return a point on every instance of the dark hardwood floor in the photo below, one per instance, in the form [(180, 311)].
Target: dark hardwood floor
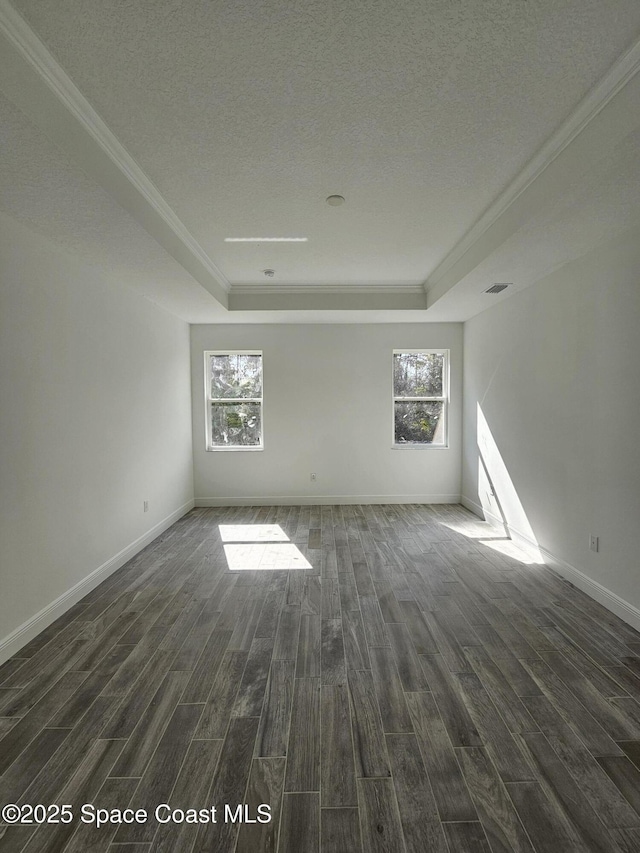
[(379, 676)]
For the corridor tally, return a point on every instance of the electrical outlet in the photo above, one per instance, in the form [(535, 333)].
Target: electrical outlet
[(593, 543), (145, 506), (313, 477)]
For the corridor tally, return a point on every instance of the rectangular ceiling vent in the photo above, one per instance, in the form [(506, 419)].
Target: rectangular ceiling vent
[(498, 288)]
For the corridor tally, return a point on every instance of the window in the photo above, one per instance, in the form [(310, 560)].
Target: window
[(420, 397), (233, 392)]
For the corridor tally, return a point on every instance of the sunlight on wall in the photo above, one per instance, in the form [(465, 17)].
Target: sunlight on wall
[(498, 494), (260, 547)]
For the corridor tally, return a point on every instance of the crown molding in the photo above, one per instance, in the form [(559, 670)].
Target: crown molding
[(29, 46), (618, 76), (361, 289)]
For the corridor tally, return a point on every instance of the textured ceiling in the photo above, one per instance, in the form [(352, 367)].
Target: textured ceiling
[(602, 206), (41, 188), (246, 115)]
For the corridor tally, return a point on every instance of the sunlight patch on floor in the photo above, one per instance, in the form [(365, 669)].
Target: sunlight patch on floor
[(252, 533), (260, 547), (472, 529), (267, 556), (510, 549)]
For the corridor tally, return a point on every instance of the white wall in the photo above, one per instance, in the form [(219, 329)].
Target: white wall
[(327, 409), (94, 419), (555, 372)]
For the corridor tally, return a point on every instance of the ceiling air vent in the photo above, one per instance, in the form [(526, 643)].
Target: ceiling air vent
[(498, 288)]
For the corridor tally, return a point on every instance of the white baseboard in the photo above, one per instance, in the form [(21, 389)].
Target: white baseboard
[(473, 507), (332, 500), (22, 635), (495, 521), (613, 602)]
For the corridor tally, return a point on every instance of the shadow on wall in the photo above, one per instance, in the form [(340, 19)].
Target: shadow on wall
[(497, 493)]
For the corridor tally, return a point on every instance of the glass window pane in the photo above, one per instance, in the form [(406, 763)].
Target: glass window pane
[(419, 423), (236, 424), (235, 376), (417, 374)]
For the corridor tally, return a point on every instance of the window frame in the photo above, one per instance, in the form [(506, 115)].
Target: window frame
[(209, 400), (444, 399)]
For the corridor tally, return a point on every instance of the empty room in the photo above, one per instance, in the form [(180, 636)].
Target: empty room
[(319, 407)]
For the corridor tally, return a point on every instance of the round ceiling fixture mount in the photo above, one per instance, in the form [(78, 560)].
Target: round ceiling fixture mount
[(269, 273), (335, 200)]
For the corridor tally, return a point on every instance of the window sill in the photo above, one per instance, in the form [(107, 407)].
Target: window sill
[(233, 449), (420, 447)]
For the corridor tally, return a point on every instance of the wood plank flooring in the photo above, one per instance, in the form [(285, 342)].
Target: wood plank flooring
[(379, 676)]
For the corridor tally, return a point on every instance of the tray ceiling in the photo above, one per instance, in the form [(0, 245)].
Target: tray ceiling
[(176, 125)]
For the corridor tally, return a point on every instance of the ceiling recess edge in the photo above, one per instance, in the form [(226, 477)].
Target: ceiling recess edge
[(618, 76), (30, 47)]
